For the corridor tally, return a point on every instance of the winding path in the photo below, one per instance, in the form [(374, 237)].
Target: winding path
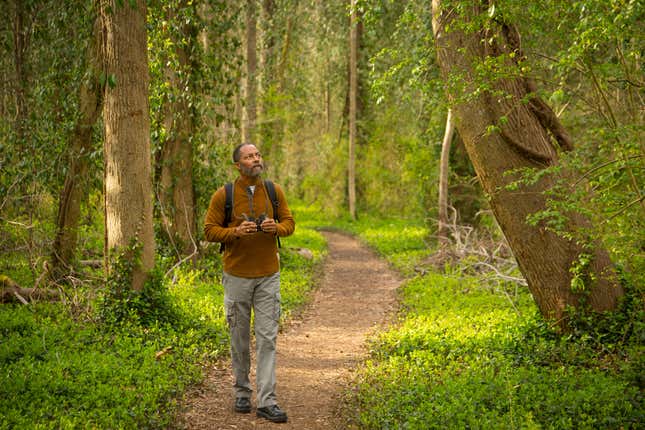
[(317, 352)]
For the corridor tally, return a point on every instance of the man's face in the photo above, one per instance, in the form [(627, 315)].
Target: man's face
[(250, 163)]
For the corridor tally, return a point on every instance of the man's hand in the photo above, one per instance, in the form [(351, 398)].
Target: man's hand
[(246, 228), (269, 226)]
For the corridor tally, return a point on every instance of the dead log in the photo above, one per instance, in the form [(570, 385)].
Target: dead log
[(94, 264), (10, 291)]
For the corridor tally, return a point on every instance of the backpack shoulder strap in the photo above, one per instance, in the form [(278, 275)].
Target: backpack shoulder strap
[(268, 185), (228, 209), (273, 197), (228, 206)]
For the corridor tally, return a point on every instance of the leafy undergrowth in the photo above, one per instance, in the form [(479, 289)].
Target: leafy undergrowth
[(62, 370), (468, 354), (57, 373), (403, 242)]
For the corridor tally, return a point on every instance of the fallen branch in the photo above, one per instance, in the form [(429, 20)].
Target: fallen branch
[(10, 291), (94, 264), (520, 281)]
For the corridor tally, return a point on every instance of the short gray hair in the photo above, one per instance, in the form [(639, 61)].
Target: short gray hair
[(237, 150)]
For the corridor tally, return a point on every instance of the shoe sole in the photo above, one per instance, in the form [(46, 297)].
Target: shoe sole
[(272, 419)]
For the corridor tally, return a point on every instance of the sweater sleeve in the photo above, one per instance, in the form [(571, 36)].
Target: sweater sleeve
[(287, 224), (214, 230)]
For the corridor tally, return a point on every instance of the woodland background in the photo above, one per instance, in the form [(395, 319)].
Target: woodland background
[(117, 120)]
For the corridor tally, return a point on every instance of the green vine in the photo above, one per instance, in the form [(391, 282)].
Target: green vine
[(122, 305)]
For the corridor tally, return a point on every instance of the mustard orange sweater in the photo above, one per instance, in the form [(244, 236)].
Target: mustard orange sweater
[(251, 256)]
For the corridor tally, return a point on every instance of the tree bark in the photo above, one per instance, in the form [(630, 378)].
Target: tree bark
[(526, 138), (75, 186), (21, 46), (353, 98), (128, 181), (267, 51), (267, 109), (443, 179), (176, 193)]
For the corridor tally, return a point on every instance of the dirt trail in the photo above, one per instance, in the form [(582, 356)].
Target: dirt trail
[(316, 353)]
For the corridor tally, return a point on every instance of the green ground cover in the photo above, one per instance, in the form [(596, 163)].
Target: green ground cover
[(61, 369), (464, 353), (467, 354)]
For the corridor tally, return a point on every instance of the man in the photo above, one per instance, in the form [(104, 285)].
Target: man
[(251, 276)]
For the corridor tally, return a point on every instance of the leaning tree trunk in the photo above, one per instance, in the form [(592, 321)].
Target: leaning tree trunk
[(176, 180), (128, 181), (525, 136), (75, 186)]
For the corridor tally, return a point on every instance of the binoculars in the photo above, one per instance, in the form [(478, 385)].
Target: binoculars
[(258, 221)]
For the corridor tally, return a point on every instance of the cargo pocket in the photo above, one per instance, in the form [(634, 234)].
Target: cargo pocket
[(277, 307), (231, 313)]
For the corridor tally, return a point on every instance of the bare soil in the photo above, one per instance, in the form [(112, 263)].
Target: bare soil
[(317, 351)]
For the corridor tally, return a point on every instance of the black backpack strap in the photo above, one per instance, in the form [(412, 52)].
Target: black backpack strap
[(228, 206), (274, 198), (268, 185), (228, 209)]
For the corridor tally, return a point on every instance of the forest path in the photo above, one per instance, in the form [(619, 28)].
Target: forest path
[(317, 351)]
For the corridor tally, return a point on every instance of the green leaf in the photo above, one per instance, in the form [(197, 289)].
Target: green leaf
[(112, 80)]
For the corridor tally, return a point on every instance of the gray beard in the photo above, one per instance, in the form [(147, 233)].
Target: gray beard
[(252, 172)]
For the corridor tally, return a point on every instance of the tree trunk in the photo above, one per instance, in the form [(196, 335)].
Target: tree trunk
[(267, 51), (21, 45), (276, 126), (443, 179), (526, 136), (353, 98), (251, 71), (176, 179), (75, 186), (128, 181), (267, 85)]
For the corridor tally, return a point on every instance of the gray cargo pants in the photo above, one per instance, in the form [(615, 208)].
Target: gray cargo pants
[(263, 296)]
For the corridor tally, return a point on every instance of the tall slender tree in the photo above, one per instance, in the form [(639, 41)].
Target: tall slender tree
[(128, 180), (353, 99), (21, 41), (268, 39), (505, 127), (443, 178), (80, 147), (251, 72), (176, 195)]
